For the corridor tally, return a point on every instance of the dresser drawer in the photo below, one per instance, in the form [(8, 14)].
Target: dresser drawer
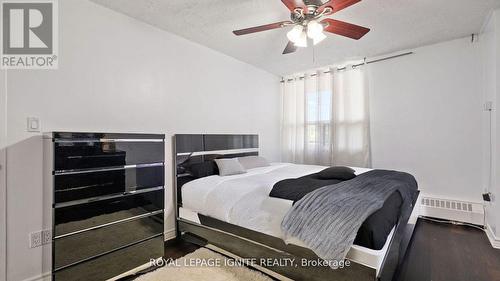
[(70, 187), (74, 218), (114, 263), (76, 248), (77, 154)]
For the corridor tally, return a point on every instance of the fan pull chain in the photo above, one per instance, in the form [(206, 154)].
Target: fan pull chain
[(314, 54)]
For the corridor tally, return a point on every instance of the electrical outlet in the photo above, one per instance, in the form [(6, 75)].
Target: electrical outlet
[(46, 237), (487, 197), (35, 239)]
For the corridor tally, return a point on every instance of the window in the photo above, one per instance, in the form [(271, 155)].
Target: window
[(325, 119)]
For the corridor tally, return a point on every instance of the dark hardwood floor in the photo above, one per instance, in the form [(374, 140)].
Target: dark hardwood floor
[(175, 249), (443, 252), (437, 252)]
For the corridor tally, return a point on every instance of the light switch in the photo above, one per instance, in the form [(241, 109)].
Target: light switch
[(488, 106), (33, 124)]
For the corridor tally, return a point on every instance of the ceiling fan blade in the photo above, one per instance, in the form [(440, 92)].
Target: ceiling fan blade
[(290, 48), (261, 28), (338, 5), (293, 4), (345, 29)]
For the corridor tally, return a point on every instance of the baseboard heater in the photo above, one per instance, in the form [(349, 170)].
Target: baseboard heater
[(454, 210)]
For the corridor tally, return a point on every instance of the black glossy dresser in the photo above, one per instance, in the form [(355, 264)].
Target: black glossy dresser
[(108, 202)]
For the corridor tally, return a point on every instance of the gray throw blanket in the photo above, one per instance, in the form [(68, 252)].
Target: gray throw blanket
[(327, 219)]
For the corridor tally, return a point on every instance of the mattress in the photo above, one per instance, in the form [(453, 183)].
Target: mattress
[(244, 200)]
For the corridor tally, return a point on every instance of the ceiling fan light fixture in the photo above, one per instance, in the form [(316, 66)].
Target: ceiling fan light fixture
[(320, 37), (302, 41), (314, 28), (315, 31), (295, 34), (298, 36)]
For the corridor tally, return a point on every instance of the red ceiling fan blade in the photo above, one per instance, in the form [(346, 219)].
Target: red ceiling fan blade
[(290, 48), (338, 5), (261, 28), (293, 4), (345, 29)]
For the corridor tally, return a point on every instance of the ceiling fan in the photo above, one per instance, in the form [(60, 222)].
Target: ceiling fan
[(307, 17)]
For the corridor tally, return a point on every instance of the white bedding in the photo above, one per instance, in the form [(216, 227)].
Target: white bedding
[(244, 199)]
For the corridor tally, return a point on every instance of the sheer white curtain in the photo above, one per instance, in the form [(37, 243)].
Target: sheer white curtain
[(325, 118)]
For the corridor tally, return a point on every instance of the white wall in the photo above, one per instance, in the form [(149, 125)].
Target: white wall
[(3, 183), (490, 40), (426, 118), (120, 75)]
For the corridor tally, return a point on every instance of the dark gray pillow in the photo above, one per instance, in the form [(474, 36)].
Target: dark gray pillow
[(337, 172), (250, 162), (228, 167), (204, 169)]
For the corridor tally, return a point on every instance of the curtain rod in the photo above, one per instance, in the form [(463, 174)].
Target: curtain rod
[(356, 65)]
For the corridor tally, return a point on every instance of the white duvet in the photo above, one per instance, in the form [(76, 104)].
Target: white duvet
[(244, 199)]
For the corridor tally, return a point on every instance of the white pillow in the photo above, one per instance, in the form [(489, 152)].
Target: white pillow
[(228, 167), (250, 162)]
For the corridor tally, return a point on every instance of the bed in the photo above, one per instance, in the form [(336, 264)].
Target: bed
[(235, 214)]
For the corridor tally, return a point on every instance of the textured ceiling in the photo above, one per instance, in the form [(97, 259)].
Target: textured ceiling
[(395, 25)]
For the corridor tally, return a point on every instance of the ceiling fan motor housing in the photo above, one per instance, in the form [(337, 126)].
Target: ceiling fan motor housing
[(296, 17)]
